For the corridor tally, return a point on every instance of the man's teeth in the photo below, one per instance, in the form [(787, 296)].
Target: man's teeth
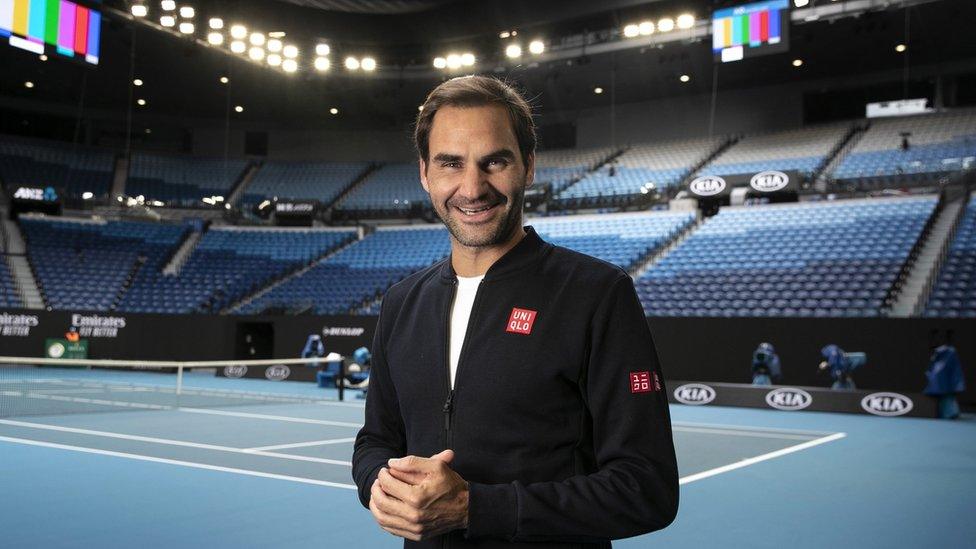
[(472, 212)]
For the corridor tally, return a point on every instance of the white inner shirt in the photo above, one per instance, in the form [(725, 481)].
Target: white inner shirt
[(460, 314)]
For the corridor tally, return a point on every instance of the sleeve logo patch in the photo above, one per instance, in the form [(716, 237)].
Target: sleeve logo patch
[(521, 321), (644, 382)]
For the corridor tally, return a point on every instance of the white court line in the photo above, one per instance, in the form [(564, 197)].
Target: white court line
[(683, 480), (192, 464), (301, 444), (741, 433), (753, 460), (169, 442), (288, 419), (750, 428)]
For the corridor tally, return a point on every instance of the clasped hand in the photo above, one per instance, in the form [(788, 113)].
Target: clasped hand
[(418, 498)]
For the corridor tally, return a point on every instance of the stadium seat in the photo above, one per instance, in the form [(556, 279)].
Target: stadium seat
[(813, 259)]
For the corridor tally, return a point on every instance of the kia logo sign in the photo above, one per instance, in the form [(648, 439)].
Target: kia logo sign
[(695, 394), (788, 398), (237, 370), (277, 372), (887, 404), (707, 185), (769, 181)]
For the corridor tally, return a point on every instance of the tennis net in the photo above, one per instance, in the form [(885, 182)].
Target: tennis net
[(43, 386)]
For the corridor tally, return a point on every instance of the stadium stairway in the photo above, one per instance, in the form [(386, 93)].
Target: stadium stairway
[(182, 253), (917, 285), (653, 258), (858, 132), (120, 176), (330, 207), (236, 306), (844, 146), (23, 276), (237, 191), (614, 154), (723, 146)]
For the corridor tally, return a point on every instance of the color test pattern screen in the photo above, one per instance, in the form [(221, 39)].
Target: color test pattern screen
[(45, 26), (751, 29)]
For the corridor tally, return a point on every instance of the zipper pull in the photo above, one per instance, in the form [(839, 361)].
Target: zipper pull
[(448, 408)]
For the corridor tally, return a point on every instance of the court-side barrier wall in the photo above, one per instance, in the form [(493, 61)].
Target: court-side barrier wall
[(898, 349), (690, 349)]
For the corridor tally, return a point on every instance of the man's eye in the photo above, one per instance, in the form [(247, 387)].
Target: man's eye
[(451, 165)]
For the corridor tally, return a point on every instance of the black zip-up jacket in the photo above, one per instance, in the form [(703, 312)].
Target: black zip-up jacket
[(558, 420)]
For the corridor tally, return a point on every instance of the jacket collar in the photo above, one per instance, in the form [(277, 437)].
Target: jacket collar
[(524, 254)]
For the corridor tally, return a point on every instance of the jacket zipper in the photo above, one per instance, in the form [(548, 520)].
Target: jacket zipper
[(449, 404)]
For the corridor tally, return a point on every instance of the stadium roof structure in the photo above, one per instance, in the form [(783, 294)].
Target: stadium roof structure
[(585, 50)]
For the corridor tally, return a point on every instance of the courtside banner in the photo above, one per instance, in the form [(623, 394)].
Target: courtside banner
[(789, 398), (763, 183)]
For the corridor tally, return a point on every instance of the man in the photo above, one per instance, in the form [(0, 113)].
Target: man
[(516, 398)]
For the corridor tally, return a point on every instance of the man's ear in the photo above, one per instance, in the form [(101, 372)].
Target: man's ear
[(530, 171), (423, 175)]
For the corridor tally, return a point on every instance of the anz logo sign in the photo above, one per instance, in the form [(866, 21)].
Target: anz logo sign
[(694, 394), (707, 185), (788, 398), (47, 194)]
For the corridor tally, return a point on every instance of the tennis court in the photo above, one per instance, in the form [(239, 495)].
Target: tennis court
[(109, 458)]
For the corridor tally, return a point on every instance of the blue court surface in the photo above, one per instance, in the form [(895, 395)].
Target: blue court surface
[(100, 460)]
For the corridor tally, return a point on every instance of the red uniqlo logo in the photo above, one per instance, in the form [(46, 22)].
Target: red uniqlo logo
[(521, 321), (640, 382)]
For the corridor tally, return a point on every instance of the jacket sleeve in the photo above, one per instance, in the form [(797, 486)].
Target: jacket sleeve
[(382, 436), (634, 489)]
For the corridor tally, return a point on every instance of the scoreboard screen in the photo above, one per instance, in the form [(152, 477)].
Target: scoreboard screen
[(46, 26), (751, 29)]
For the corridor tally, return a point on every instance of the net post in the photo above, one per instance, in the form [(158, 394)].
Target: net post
[(179, 378), (342, 379)]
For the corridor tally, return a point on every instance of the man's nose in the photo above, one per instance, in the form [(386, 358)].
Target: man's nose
[(473, 183)]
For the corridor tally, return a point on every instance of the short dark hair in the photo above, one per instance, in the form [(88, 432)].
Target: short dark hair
[(477, 91)]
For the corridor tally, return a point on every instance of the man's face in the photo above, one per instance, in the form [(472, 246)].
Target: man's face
[(475, 175)]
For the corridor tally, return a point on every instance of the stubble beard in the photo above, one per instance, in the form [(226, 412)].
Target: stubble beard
[(503, 230)]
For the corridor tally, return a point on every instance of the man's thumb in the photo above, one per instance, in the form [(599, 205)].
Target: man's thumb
[(446, 456)]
